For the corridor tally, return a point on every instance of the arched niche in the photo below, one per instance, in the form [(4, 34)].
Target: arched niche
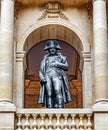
[(54, 32), (64, 32), (32, 82), (60, 22)]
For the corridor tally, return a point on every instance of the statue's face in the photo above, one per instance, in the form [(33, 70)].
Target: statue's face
[(52, 51)]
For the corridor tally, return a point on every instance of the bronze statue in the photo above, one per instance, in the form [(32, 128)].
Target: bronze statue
[(54, 91)]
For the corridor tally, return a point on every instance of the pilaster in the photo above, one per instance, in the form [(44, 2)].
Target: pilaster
[(19, 80), (87, 83)]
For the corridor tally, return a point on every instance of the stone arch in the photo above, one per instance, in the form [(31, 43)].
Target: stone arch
[(61, 33), (67, 24), (85, 49)]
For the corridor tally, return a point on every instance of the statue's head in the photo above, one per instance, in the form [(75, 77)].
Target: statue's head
[(52, 44)]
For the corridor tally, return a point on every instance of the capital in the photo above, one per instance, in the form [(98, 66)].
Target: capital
[(20, 56), (87, 56), (7, 0), (99, 0)]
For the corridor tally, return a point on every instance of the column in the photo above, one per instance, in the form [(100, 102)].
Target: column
[(100, 108), (87, 80), (7, 108), (0, 23), (100, 51), (19, 80), (6, 50)]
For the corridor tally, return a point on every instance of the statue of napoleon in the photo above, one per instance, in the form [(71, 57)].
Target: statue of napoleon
[(54, 91)]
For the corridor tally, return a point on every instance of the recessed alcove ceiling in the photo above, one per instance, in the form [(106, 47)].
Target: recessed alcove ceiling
[(64, 2), (53, 32)]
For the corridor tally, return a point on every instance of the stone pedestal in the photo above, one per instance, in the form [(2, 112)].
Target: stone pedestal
[(7, 116), (100, 117)]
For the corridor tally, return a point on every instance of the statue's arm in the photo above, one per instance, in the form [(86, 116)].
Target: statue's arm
[(42, 73), (63, 64)]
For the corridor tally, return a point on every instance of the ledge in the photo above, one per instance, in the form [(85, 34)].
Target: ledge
[(55, 111)]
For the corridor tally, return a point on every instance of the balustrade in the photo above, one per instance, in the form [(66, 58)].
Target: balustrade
[(54, 119)]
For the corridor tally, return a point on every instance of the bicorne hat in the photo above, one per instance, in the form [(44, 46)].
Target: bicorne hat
[(52, 44)]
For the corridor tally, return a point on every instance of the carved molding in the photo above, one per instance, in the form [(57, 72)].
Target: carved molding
[(107, 8), (89, 6), (20, 56), (17, 7), (52, 10), (86, 56)]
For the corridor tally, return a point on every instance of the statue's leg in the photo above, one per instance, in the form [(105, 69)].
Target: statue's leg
[(58, 91), (49, 92)]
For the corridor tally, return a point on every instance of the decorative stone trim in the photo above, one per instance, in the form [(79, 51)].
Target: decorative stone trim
[(20, 56), (87, 56), (4, 101), (101, 100), (17, 8), (52, 10), (89, 7)]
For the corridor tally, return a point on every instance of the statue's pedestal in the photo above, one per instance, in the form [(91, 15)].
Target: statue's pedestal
[(7, 118)]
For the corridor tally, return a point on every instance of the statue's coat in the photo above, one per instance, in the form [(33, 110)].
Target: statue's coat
[(65, 87)]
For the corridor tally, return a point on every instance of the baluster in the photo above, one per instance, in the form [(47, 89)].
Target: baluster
[(34, 124), (58, 125), (50, 128), (42, 128), (73, 125), (81, 125), (89, 124), (27, 124), (50, 123), (65, 125), (42, 123), (19, 124)]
